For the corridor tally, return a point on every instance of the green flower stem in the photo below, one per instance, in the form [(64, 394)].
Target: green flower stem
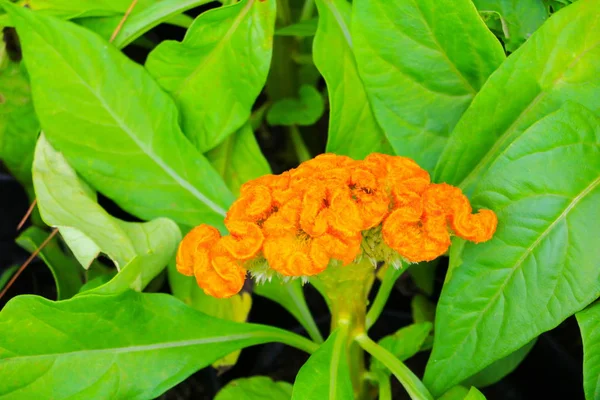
[(294, 340), (308, 10), (413, 385), (387, 284), (299, 146)]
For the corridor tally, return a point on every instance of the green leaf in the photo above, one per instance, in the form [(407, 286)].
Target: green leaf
[(238, 159), (255, 388), (291, 297), (67, 203), (519, 19), (499, 369), (326, 374), (218, 70), (423, 310), (7, 274), (66, 270), (353, 130), (421, 67), (541, 266), (305, 110), (19, 127), (235, 308), (474, 394), (423, 275), (589, 324), (126, 346), (145, 16), (462, 393), (403, 344), (68, 9), (109, 129), (559, 63), (304, 28)]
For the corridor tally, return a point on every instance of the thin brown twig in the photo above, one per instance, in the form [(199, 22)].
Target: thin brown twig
[(28, 261), (27, 214), (122, 21)]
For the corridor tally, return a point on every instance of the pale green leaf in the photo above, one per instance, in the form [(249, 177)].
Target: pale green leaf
[(99, 109), (305, 110), (541, 266), (474, 394), (517, 19), (304, 28), (403, 344), (589, 324), (255, 388), (291, 297), (238, 159), (126, 346), (421, 65), (326, 374), (67, 203), (559, 63), (66, 270), (353, 130), (456, 393), (218, 70)]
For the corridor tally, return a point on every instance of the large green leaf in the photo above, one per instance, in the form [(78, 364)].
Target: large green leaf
[(100, 110), (66, 202), (421, 66), (291, 297), (19, 127), (560, 62), (326, 376), (81, 8), (403, 344), (235, 308), (126, 346), (462, 393), (218, 70), (542, 264), (66, 270), (238, 159), (515, 20), (353, 130), (255, 388), (589, 323)]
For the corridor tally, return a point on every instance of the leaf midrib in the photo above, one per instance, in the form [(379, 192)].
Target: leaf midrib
[(174, 175), (518, 263)]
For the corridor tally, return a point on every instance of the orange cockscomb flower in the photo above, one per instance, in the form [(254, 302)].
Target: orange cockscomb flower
[(331, 209)]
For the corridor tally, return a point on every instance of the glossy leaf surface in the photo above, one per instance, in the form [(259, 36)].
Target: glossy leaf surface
[(218, 70)]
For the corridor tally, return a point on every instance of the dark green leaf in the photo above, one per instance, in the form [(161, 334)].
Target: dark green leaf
[(67, 203), (7, 274), (499, 369), (218, 70), (99, 109), (325, 376), (589, 323), (126, 346), (518, 19), (66, 270), (423, 275), (403, 344), (255, 388), (423, 310), (353, 130), (541, 266), (559, 63), (421, 66), (301, 29), (305, 110), (238, 159)]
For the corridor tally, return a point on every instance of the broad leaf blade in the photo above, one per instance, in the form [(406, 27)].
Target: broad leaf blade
[(353, 130), (305, 110), (126, 346), (559, 63), (541, 266), (66, 270), (255, 388), (101, 102), (325, 375), (421, 66), (589, 323), (238, 159), (218, 70), (67, 203)]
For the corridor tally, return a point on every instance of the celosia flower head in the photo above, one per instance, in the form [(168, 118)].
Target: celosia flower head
[(331, 209)]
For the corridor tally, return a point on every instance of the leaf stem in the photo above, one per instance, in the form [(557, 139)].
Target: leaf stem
[(308, 10), (387, 284), (306, 320), (413, 385), (295, 340), (299, 146)]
